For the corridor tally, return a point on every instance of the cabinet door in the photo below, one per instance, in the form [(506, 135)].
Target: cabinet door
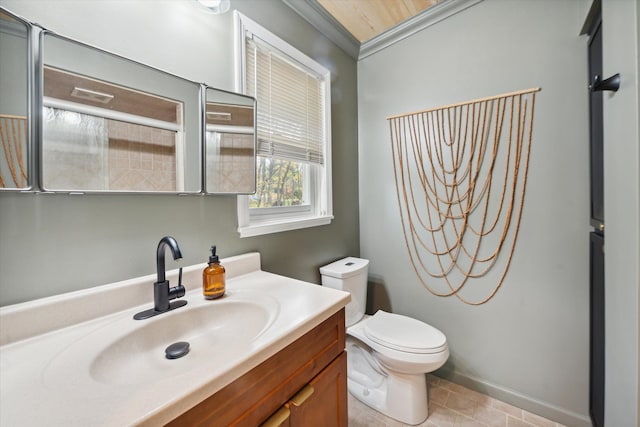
[(323, 402)]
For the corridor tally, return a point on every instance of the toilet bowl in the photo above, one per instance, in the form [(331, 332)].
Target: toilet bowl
[(388, 354)]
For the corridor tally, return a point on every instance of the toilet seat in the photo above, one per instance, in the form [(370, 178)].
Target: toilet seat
[(403, 333)]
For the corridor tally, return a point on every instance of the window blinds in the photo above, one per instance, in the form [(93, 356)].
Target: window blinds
[(290, 104)]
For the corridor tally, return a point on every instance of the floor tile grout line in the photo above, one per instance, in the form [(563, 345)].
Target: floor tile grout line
[(482, 401)]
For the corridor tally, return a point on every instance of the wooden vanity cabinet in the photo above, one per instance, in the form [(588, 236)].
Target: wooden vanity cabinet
[(305, 384)]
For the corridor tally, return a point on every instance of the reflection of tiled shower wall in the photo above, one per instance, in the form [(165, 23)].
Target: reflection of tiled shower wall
[(141, 158), (67, 167), (234, 167)]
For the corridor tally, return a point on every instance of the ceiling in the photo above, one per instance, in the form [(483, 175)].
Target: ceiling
[(365, 19)]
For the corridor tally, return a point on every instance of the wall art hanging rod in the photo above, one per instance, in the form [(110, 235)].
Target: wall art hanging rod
[(475, 101)]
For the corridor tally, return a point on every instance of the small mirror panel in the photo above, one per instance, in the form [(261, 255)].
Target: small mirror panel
[(15, 71), (110, 124), (230, 142)]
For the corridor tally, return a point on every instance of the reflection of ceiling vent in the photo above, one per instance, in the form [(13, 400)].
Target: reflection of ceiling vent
[(216, 115), (91, 95)]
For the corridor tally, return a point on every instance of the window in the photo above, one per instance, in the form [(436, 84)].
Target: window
[(293, 167)]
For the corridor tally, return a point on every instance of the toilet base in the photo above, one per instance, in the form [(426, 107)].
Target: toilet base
[(400, 396)]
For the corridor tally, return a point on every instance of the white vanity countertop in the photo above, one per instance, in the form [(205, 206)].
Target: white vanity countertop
[(50, 347)]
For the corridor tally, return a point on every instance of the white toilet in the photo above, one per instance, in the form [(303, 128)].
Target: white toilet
[(388, 354)]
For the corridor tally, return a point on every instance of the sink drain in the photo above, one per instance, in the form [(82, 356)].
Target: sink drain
[(176, 350)]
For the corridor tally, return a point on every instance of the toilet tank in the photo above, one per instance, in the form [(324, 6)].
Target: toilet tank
[(349, 274)]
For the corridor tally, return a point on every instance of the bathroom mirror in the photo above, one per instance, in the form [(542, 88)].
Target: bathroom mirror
[(110, 124), (15, 71), (230, 142)]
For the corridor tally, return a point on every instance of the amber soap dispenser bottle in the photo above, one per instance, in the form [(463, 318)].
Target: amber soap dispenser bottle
[(213, 277)]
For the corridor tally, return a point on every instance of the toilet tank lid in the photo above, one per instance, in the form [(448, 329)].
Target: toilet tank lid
[(345, 267)]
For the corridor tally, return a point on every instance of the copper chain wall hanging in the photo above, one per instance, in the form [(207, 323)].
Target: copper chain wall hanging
[(460, 173), (13, 134)]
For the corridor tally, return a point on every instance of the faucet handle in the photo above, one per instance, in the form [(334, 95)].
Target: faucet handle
[(177, 291)]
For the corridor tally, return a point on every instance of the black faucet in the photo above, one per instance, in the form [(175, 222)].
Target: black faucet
[(162, 293)]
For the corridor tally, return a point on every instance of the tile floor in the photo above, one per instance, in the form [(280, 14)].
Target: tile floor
[(451, 405)]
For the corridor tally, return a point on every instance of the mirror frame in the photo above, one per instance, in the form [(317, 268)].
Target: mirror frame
[(30, 155), (205, 172)]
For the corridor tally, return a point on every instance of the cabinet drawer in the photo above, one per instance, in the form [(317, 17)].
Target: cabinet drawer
[(256, 395)]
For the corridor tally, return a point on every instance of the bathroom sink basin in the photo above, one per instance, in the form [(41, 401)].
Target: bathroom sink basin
[(129, 352)]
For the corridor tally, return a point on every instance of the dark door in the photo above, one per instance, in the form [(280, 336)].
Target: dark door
[(596, 132), (596, 238), (596, 327)]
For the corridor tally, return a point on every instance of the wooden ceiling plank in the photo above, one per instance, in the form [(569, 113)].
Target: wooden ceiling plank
[(368, 18)]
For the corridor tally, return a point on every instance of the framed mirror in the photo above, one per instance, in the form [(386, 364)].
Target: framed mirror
[(230, 142), (15, 73), (110, 124)]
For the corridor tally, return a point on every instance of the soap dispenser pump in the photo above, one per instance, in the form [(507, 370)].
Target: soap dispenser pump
[(213, 280)]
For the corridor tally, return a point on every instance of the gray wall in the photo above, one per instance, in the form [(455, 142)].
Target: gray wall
[(529, 344), (621, 54), (57, 243)]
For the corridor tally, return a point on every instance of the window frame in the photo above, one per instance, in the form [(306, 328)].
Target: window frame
[(319, 211)]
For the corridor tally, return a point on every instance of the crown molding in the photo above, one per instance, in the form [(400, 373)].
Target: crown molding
[(419, 22), (321, 20)]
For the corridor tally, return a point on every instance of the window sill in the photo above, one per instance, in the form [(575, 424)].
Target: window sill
[(270, 227)]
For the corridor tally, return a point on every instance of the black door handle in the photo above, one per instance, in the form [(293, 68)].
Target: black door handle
[(612, 83)]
